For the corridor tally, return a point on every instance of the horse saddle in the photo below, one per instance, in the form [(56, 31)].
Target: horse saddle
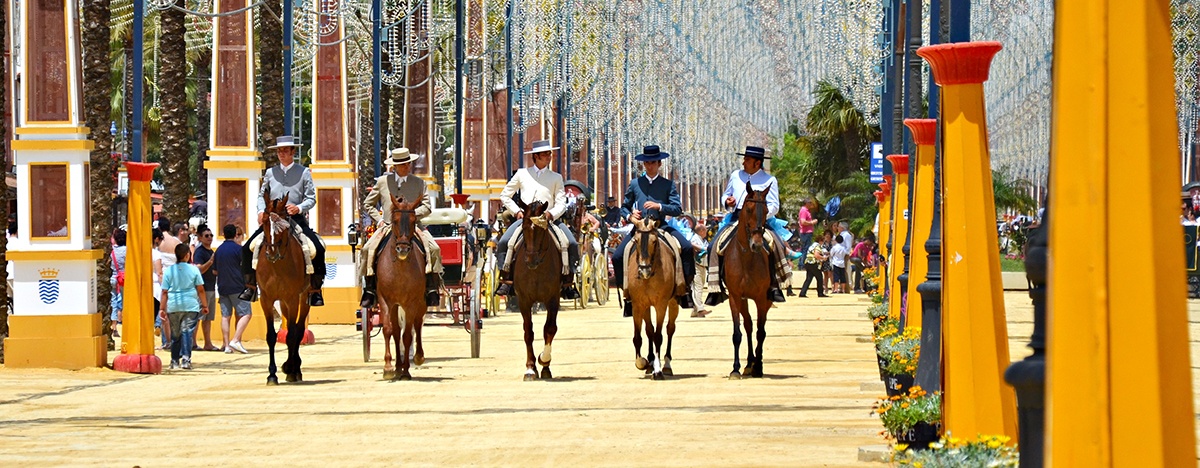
[(306, 244), (672, 246), (726, 235)]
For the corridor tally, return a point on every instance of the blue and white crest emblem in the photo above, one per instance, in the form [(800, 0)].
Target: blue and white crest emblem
[(330, 271), (48, 286)]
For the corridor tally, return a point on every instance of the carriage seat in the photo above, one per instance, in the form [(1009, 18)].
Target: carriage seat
[(445, 216)]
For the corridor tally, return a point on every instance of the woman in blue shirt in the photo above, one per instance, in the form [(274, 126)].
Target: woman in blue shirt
[(182, 303)]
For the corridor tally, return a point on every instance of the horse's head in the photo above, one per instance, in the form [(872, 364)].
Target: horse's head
[(752, 219), (404, 225), (534, 215), (647, 245)]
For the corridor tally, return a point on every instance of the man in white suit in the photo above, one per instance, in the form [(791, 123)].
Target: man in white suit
[(537, 183)]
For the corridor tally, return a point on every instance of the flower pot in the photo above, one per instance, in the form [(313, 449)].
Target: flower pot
[(897, 384), (920, 436), (882, 366)]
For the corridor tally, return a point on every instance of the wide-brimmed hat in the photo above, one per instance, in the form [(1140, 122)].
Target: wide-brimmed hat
[(400, 156), (755, 152), (284, 142), (652, 153), (541, 146)]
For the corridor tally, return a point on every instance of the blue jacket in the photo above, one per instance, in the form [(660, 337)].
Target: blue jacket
[(662, 191)]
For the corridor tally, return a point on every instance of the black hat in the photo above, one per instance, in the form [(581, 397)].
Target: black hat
[(651, 153), (755, 152)]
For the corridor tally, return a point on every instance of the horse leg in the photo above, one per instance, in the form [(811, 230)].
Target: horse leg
[(294, 337), (648, 326), (418, 324), (748, 325), (549, 330), (268, 303), (389, 337), (673, 313), (762, 336), (660, 314), (527, 323), (638, 316), (405, 359), (737, 338)]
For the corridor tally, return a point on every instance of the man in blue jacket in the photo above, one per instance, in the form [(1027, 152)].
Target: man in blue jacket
[(654, 196)]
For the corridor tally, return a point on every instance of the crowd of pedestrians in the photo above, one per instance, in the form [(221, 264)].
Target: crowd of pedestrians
[(192, 279)]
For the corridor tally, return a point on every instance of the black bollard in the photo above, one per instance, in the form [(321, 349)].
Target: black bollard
[(1028, 376)]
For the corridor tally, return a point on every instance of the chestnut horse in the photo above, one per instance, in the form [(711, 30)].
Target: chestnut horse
[(652, 284), (747, 275), (282, 278), (537, 277), (401, 283)]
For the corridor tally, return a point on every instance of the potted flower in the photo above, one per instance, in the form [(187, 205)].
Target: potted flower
[(899, 353), (878, 313), (913, 419), (886, 328), (954, 452)]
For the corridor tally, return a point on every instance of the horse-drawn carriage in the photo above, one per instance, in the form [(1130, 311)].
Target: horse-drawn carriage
[(450, 230)]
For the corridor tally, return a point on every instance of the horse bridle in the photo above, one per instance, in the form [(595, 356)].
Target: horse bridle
[(760, 216), (403, 231), (538, 255), (644, 248), (275, 252)]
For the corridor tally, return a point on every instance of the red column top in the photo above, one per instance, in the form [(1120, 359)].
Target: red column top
[(879, 196), (899, 163), (924, 131), (141, 172), (960, 62), (886, 186)]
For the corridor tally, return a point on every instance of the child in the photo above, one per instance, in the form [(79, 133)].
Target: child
[(837, 259), (812, 265), (182, 303)]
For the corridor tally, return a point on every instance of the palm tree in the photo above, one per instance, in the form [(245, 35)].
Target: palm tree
[(97, 105), (835, 117), (270, 60), (173, 139), (4, 190), (1011, 192)]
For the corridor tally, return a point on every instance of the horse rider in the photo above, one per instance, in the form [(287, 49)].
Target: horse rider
[(652, 195), (399, 182), (735, 194), (537, 183), (294, 182)]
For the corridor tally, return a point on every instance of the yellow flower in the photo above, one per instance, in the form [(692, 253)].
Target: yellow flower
[(901, 447), (994, 444), (904, 405)]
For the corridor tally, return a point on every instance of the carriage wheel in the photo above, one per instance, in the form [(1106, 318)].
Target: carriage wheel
[(1193, 286), (581, 282), (364, 322), (600, 283)]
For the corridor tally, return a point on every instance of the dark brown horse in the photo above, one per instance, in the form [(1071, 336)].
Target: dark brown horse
[(282, 278), (537, 277), (400, 273), (652, 284), (747, 275)]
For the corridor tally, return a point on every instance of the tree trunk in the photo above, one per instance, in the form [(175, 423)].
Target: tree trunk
[(366, 152), (203, 124), (97, 105), (270, 57), (4, 190), (173, 137)]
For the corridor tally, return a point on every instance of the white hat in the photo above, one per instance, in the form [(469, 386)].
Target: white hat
[(284, 141), (541, 146), (400, 156)]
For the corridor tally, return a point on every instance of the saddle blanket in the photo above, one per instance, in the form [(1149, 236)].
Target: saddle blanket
[(723, 238), (560, 241), (310, 251)]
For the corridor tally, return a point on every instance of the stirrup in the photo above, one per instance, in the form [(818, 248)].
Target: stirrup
[(715, 298), (685, 301), (368, 299), (775, 295), (315, 299), (250, 294)]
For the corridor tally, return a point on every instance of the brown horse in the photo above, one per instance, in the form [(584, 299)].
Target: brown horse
[(537, 277), (747, 275), (401, 278), (652, 284), (282, 278)]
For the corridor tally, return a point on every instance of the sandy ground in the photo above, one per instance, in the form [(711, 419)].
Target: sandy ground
[(810, 410)]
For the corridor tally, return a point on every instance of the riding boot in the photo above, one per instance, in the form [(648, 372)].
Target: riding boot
[(568, 288), (251, 292), (627, 309), (368, 296), (685, 300), (775, 294), (433, 284), (315, 299), (505, 288)]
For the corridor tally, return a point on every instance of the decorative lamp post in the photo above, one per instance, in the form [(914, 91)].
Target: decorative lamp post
[(899, 233), (924, 132)]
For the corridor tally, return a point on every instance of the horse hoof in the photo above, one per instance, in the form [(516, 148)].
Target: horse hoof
[(419, 359), (546, 373), (640, 363), (657, 376), (748, 371), (530, 376), (272, 380), (389, 375), (405, 376), (667, 371), (291, 378), (758, 373), (541, 362), (735, 375), (649, 369)]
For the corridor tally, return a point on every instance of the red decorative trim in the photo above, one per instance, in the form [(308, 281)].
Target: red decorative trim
[(899, 163), (309, 338), (886, 186), (879, 196), (460, 199), (140, 172), (924, 131), (138, 363), (960, 62)]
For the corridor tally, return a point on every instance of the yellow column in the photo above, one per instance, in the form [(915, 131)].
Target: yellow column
[(924, 132), (137, 338), (974, 334), (1118, 382), (899, 232)]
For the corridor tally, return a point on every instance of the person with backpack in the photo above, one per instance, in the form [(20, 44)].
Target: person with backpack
[(118, 280)]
